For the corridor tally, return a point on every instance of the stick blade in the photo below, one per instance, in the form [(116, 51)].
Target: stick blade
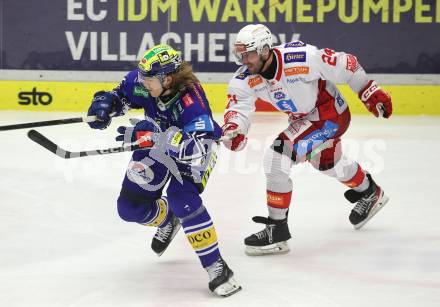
[(40, 139)]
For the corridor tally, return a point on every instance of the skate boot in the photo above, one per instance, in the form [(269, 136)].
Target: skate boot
[(164, 235), (269, 241), (368, 204), (221, 279)]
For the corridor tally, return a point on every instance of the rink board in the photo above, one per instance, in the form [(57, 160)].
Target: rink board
[(76, 96)]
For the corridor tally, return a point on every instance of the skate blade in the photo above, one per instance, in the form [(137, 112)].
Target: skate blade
[(273, 249), (176, 230), (228, 288), (377, 207)]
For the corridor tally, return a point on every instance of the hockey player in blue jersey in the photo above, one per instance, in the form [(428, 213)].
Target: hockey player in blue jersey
[(179, 137)]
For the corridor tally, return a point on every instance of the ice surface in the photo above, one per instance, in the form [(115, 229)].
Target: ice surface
[(63, 244)]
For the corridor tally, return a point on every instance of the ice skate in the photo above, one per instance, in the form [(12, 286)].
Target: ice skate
[(221, 279), (164, 235), (368, 204), (271, 240)]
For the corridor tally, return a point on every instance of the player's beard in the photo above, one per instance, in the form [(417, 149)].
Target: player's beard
[(256, 68)]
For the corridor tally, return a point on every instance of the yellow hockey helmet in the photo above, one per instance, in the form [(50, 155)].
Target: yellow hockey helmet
[(159, 61)]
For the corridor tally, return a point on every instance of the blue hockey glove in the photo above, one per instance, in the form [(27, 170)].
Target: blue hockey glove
[(143, 132), (103, 104)]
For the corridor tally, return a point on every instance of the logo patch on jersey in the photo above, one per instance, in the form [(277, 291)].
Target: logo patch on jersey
[(275, 89), (291, 57), (295, 44), (254, 81), (175, 141), (139, 173), (279, 95), (175, 114), (339, 100), (297, 70), (315, 138), (141, 91), (292, 80), (199, 96), (232, 99), (298, 126), (179, 107), (187, 100), (352, 63), (243, 75), (286, 105), (200, 125), (261, 89), (229, 115)]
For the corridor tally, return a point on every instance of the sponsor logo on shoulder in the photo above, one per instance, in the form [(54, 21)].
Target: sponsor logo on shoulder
[(297, 70), (291, 57), (200, 99), (242, 75), (294, 44), (187, 100), (254, 81)]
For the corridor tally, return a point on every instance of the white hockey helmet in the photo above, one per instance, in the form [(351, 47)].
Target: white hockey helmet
[(251, 37)]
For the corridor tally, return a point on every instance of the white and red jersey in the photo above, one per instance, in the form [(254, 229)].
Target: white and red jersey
[(303, 86)]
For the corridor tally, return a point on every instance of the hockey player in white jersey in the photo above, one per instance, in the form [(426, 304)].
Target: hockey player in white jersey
[(299, 80)]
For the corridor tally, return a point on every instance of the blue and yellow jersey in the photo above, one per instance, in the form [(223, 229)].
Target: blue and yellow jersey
[(189, 110)]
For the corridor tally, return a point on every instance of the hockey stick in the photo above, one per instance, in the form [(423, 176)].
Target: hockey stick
[(85, 119), (74, 120), (40, 139)]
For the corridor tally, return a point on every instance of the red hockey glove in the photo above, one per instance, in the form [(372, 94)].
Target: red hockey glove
[(376, 100), (232, 138)]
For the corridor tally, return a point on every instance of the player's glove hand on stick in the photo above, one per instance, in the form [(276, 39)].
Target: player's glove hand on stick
[(103, 105), (142, 132)]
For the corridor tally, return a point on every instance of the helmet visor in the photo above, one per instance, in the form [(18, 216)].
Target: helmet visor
[(142, 77), (238, 51)]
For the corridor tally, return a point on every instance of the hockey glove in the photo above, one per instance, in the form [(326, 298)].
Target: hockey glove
[(142, 132), (376, 100), (103, 104), (233, 139)]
